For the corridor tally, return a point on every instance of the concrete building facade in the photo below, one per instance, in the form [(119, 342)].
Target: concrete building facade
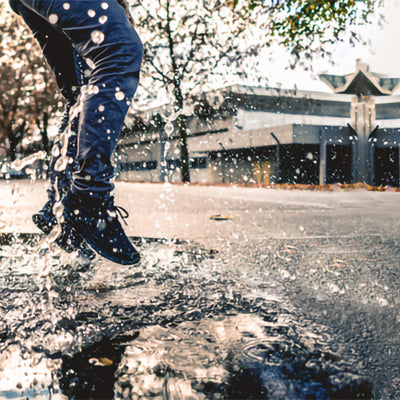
[(257, 135)]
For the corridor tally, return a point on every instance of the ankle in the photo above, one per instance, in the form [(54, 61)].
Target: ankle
[(90, 198)]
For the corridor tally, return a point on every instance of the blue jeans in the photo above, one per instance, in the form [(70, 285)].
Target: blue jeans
[(70, 32)]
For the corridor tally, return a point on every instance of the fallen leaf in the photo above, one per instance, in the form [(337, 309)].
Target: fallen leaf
[(219, 217), (101, 361)]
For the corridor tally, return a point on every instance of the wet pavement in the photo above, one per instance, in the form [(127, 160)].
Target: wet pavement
[(293, 295)]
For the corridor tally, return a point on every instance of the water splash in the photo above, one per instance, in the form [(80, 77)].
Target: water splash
[(20, 164), (204, 333)]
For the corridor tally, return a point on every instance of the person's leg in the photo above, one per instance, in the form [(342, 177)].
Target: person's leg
[(71, 73), (61, 178), (116, 52), (99, 31), (56, 48)]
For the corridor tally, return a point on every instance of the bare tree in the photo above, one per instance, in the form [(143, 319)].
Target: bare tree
[(27, 88), (189, 44)]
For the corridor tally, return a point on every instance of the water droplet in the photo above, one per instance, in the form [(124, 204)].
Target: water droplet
[(310, 156), (55, 152), (119, 95), (112, 213), (19, 164), (54, 234), (58, 209), (103, 19), (97, 37), (101, 225), (169, 128), (61, 164), (93, 89), (66, 6), (53, 18), (91, 13)]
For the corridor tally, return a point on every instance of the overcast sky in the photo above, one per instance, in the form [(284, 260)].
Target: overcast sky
[(383, 56)]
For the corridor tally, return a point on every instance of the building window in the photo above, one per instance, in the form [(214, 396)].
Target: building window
[(173, 164), (138, 166), (195, 163), (198, 163)]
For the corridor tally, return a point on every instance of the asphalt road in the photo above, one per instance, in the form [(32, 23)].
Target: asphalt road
[(319, 270)]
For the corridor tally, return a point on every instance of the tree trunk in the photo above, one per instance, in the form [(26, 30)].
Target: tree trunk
[(182, 131), (12, 141), (184, 152), (43, 128), (15, 138), (177, 81)]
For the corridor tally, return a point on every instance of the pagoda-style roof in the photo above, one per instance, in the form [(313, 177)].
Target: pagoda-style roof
[(362, 82)]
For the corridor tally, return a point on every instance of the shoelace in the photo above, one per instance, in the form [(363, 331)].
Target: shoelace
[(117, 209)]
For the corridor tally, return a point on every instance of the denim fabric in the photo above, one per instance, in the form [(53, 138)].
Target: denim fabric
[(70, 32)]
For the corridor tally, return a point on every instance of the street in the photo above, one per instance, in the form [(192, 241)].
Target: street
[(241, 293)]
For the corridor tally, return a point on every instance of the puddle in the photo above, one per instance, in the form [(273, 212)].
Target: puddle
[(185, 323), (237, 357)]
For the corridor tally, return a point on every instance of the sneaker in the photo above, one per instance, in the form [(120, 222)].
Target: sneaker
[(46, 221), (97, 221)]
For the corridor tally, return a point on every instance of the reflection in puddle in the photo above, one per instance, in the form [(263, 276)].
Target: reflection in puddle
[(181, 325), (239, 357), (26, 375), (187, 361)]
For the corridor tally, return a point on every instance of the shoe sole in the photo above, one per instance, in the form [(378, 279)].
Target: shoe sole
[(47, 226)]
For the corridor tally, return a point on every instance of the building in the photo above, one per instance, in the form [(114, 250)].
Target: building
[(243, 134)]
